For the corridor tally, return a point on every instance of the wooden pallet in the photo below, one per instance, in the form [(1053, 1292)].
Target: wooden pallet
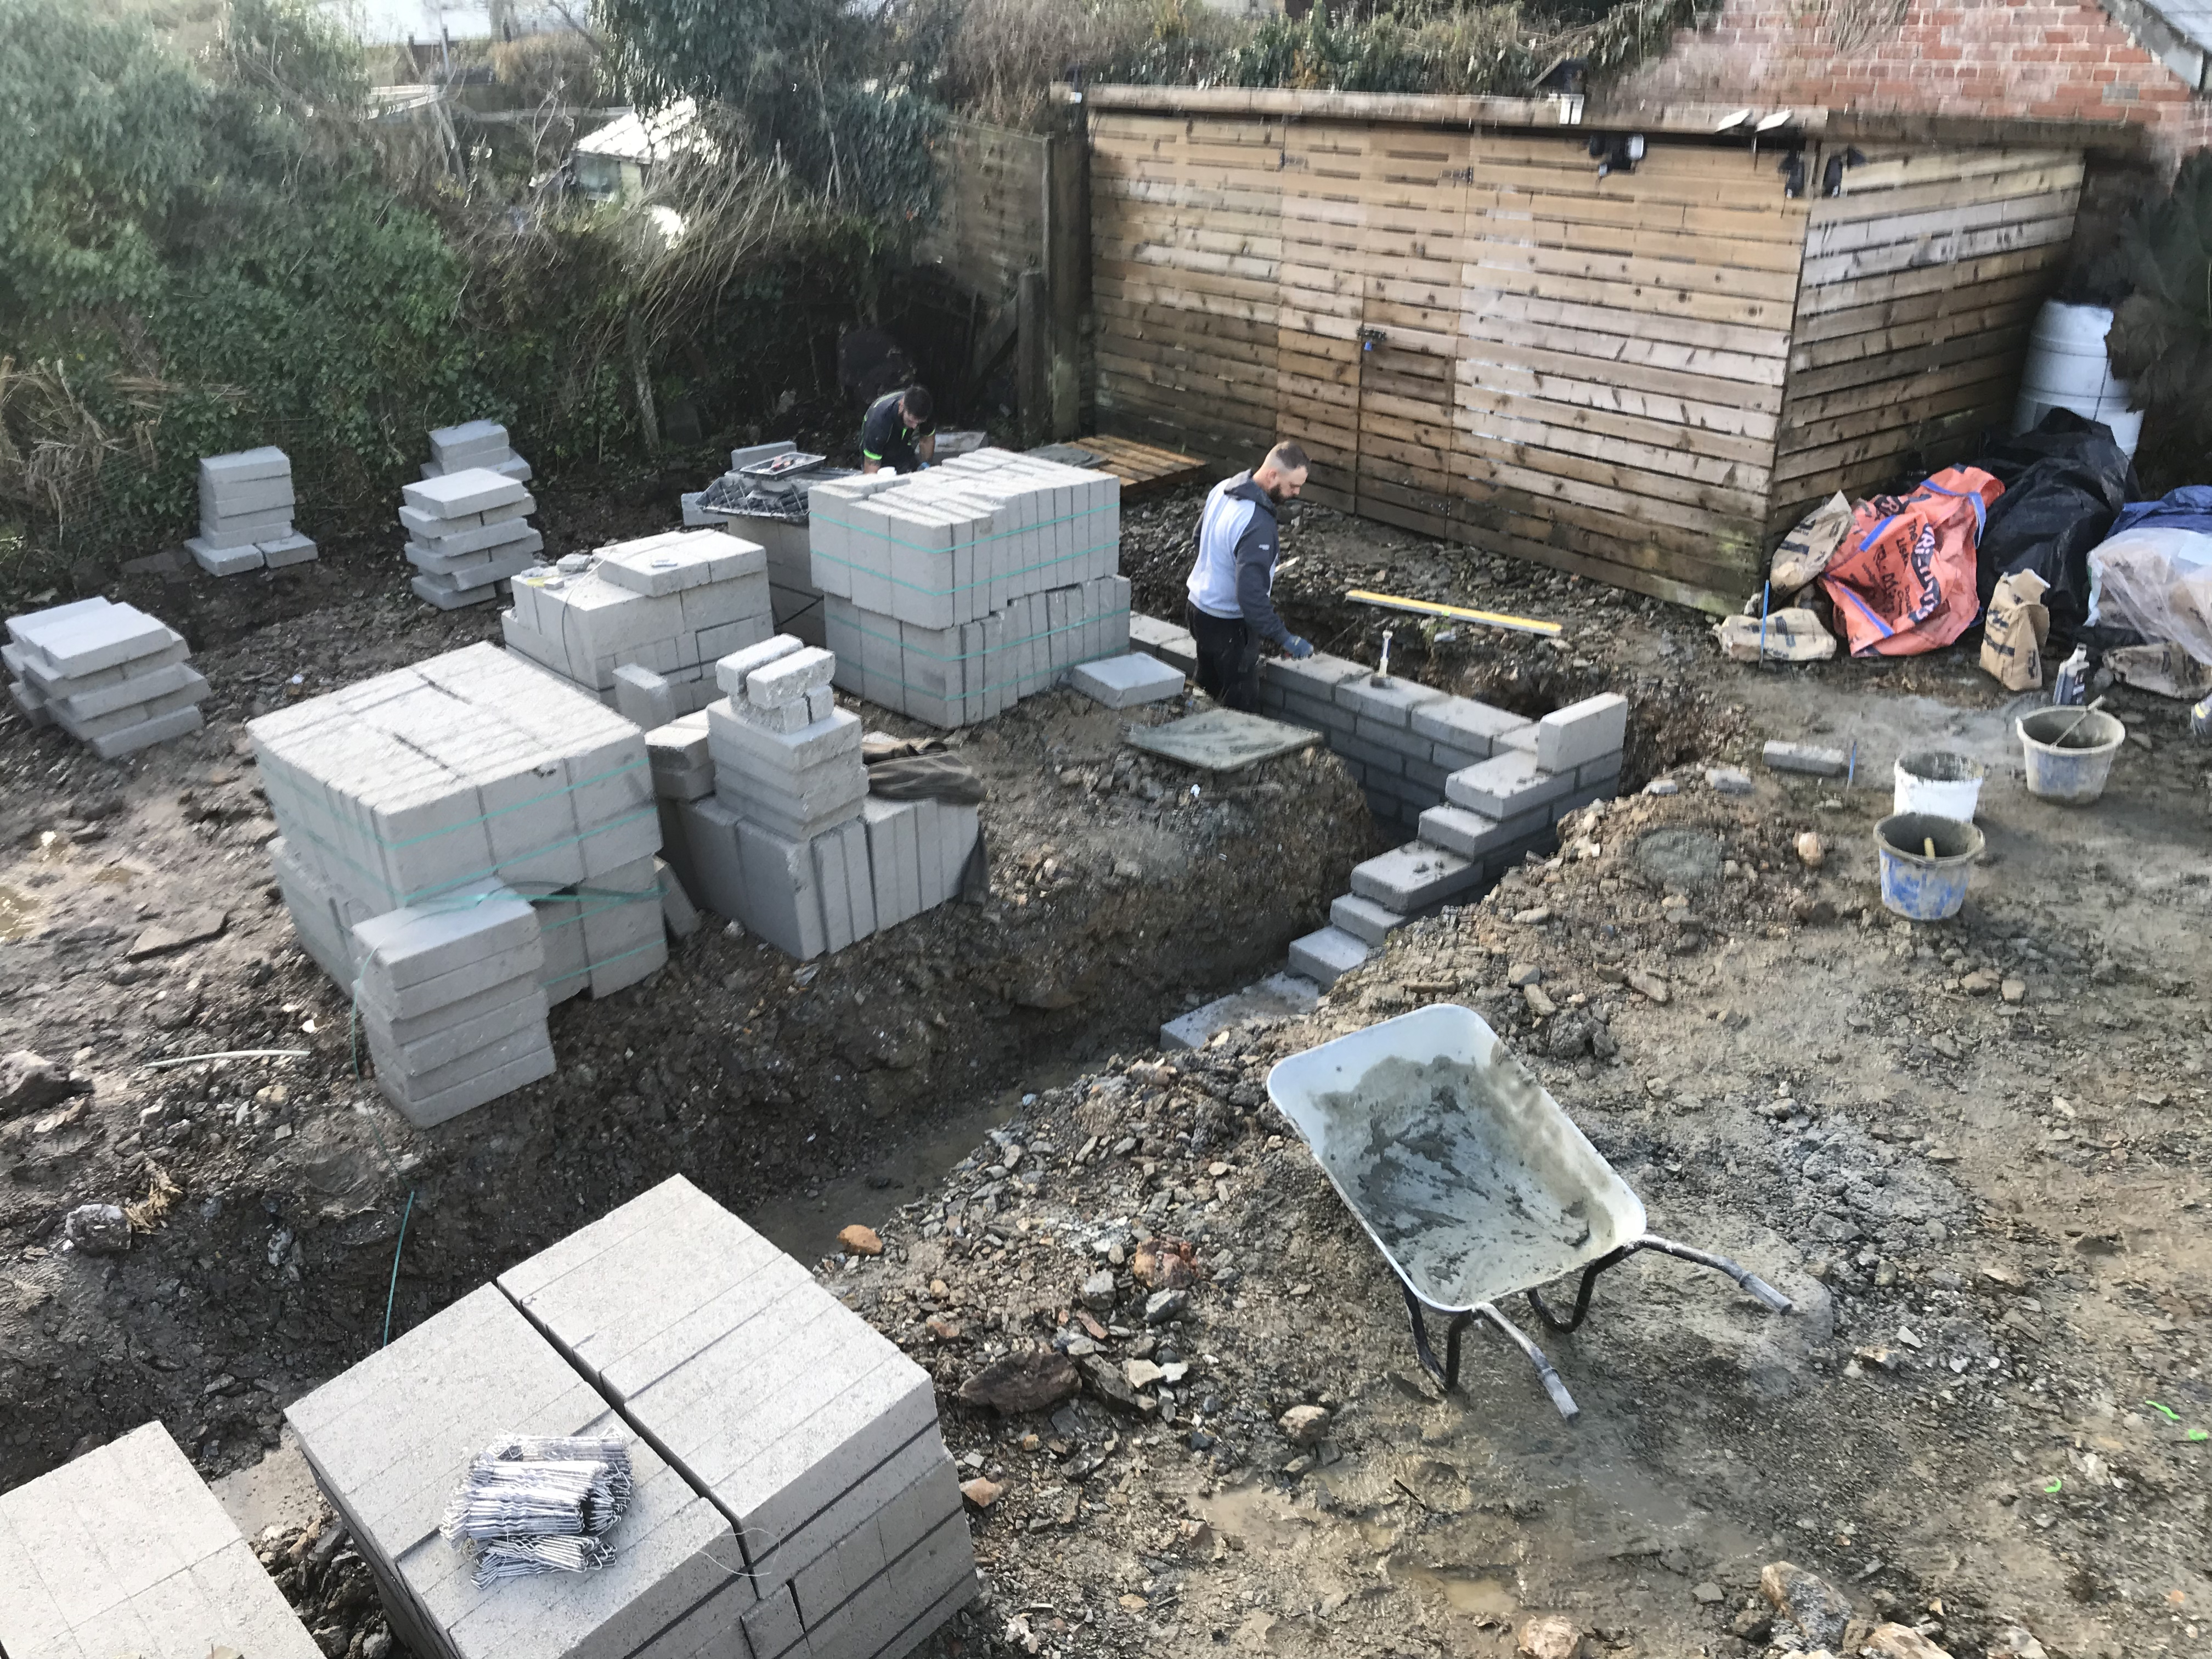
[(1143, 469)]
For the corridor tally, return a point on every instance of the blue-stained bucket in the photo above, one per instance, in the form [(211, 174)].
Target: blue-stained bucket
[(1915, 885)]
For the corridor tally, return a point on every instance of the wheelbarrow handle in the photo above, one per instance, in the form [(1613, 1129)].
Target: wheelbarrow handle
[(1745, 1279), (1549, 1377)]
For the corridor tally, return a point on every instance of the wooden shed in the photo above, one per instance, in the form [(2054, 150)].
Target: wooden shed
[(1643, 375)]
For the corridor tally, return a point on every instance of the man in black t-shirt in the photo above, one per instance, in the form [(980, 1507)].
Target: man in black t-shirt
[(898, 431)]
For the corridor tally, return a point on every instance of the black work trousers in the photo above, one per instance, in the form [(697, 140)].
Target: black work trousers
[(1228, 658)]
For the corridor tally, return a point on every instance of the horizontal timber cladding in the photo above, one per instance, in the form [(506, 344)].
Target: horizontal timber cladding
[(1638, 378), (991, 185), (1921, 280)]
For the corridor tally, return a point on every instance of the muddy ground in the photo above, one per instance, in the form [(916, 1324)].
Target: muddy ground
[(1833, 1102)]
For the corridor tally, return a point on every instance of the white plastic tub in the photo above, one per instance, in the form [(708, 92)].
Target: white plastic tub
[(2066, 368), (1938, 783)]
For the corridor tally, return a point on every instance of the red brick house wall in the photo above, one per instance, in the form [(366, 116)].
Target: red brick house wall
[(2033, 58)]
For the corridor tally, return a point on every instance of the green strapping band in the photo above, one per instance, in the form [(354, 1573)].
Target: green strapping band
[(970, 656), (963, 587), (875, 535)]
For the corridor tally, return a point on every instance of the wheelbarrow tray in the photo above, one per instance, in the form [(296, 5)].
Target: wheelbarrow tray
[(1469, 1178)]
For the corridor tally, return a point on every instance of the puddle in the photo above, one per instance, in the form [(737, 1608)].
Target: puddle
[(19, 914), (1462, 1591), (114, 875)]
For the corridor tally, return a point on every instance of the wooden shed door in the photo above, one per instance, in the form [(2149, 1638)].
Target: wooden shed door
[(1414, 192)]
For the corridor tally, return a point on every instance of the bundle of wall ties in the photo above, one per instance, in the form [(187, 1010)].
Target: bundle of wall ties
[(536, 1504)]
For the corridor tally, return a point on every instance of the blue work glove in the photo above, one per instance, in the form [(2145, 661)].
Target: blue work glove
[(1298, 648)]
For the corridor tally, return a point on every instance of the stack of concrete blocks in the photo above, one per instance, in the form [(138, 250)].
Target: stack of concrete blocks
[(812, 1435), (245, 514), (434, 783), (389, 1439), (666, 608), (467, 531), (952, 593), (125, 1550), (474, 444), (732, 788), (112, 676), (1496, 784), (448, 1004)]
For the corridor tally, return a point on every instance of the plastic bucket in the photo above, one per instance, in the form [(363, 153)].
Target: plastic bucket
[(1914, 886), (1939, 783), (2066, 367), (2073, 770)]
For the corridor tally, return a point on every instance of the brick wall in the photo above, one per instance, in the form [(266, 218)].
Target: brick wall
[(2033, 59)]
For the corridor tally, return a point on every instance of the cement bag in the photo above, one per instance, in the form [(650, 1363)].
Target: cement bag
[(2155, 583), (1904, 580)]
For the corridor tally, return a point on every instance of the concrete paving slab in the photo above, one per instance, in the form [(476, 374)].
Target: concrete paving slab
[(1278, 996), (1220, 740)]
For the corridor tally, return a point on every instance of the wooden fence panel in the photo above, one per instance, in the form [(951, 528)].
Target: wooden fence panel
[(993, 208)]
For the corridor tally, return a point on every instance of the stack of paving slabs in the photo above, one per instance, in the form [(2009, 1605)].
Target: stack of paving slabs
[(390, 1440), (440, 780), (467, 532), (953, 592), (109, 675), (447, 1001), (474, 444), (669, 606), (811, 1434), (125, 1550), (245, 514)]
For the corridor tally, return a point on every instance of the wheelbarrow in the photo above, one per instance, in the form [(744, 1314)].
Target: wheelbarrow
[(1469, 1178)]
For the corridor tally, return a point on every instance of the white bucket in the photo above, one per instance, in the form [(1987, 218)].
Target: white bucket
[(1937, 783), (2067, 369)]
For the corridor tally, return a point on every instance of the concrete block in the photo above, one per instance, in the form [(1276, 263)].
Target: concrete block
[(407, 946), (430, 591), (1582, 731), (1808, 758), (74, 640), (1506, 785), (1413, 878), (221, 503), (223, 561), (1364, 918), (128, 740), (1521, 739), (1475, 836), (1464, 724), (462, 1084), (712, 867), (1327, 955), (1172, 644), (1301, 710), (474, 489), (459, 447), (287, 551), (1399, 740), (893, 859), (730, 671), (1602, 774), (659, 566), (1126, 682), (644, 697), (677, 913), (454, 1040), (219, 471), (138, 690), (788, 678), (1388, 702), (772, 1627), (1316, 676), (782, 898)]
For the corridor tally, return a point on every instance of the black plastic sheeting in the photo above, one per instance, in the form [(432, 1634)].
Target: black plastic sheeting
[(2064, 482)]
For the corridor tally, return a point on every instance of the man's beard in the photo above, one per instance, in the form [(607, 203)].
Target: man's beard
[(1278, 493)]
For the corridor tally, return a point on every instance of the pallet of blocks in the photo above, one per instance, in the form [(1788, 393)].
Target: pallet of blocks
[(666, 607), (245, 514), (467, 532), (448, 1005), (474, 444), (124, 1550), (430, 785), (951, 593), (809, 1431), (389, 1440), (112, 676), (765, 815)]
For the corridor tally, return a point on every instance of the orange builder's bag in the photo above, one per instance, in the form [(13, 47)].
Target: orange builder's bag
[(1903, 582)]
